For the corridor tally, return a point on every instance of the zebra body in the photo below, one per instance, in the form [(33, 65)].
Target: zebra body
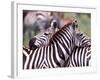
[(80, 57)]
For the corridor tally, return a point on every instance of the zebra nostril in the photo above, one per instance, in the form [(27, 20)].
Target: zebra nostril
[(45, 33), (31, 43)]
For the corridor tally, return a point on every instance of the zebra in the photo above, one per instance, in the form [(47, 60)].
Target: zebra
[(55, 53), (83, 44)]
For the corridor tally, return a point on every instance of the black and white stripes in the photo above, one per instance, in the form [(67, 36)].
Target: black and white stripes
[(62, 48), (80, 57), (55, 53)]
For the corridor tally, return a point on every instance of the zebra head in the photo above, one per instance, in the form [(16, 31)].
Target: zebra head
[(39, 40), (42, 38), (45, 20)]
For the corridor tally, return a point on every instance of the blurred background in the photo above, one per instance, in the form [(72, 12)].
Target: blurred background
[(36, 21)]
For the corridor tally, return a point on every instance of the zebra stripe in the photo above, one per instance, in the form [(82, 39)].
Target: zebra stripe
[(56, 52)]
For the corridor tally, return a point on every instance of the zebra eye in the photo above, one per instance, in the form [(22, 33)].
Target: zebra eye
[(54, 24)]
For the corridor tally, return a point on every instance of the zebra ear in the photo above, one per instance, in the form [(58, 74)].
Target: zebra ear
[(74, 24)]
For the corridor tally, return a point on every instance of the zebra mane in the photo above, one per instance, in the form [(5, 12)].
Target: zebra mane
[(59, 31)]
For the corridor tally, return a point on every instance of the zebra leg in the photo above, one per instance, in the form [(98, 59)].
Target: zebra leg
[(25, 52)]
